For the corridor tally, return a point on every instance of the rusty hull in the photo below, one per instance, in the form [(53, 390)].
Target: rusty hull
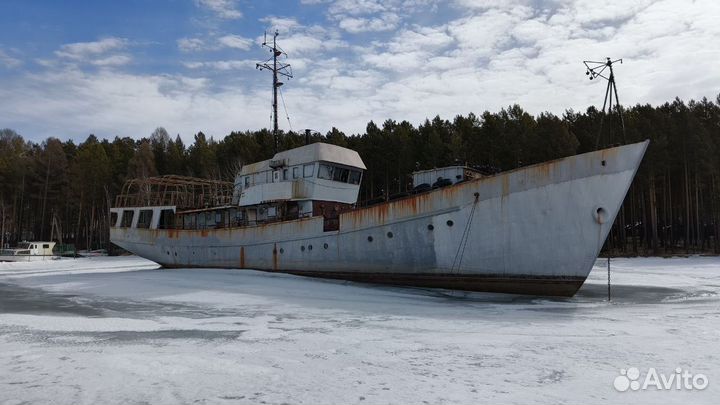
[(534, 230)]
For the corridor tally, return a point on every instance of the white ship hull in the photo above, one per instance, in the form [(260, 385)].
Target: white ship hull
[(534, 230)]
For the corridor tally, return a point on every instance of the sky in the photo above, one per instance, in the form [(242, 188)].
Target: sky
[(123, 68)]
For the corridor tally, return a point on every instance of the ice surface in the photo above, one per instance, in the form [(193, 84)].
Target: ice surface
[(121, 330)]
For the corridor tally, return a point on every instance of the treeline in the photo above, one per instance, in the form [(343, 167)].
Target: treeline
[(61, 189)]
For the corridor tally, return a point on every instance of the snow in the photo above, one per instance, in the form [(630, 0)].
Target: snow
[(122, 330)]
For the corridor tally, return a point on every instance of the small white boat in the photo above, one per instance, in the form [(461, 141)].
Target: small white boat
[(29, 252)]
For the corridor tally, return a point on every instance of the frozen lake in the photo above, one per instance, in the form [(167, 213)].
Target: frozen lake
[(120, 330)]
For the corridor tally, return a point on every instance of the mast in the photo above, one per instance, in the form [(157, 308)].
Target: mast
[(277, 68), (593, 70)]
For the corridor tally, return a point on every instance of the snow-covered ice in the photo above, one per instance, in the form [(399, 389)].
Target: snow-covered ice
[(121, 330)]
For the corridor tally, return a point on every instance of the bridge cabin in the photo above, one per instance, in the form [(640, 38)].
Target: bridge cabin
[(315, 179), (304, 180)]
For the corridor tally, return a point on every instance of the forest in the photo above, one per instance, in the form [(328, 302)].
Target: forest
[(672, 207)]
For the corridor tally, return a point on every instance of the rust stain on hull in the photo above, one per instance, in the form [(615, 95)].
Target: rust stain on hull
[(275, 257)]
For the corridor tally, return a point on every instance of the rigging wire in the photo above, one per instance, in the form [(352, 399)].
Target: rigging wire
[(285, 108)]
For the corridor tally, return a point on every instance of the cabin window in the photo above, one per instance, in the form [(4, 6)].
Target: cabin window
[(127, 218), (189, 221), (113, 219), (247, 181), (296, 172), (354, 177), (285, 174), (46, 246), (340, 174), (144, 219), (308, 170), (325, 172), (167, 219)]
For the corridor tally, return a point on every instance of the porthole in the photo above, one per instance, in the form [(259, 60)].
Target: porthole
[(325, 246), (168, 253), (282, 250), (390, 235), (450, 222), (302, 248), (309, 247), (430, 227), (603, 163), (601, 215), (370, 238), (175, 253)]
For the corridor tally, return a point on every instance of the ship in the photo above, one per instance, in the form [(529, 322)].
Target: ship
[(29, 252), (534, 230)]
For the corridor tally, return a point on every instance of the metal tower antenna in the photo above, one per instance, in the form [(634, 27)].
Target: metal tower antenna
[(596, 69), (278, 69)]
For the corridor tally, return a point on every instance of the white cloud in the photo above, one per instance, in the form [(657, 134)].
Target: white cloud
[(190, 44), (221, 64), (113, 60), (281, 24), (357, 7), (483, 58), (428, 39), (225, 9), (109, 103), (83, 50), (9, 61), (383, 22), (235, 41)]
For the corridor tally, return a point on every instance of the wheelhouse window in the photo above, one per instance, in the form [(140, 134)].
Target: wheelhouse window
[(338, 173), (325, 172), (354, 177), (144, 219), (285, 174), (113, 219), (296, 172), (46, 246), (308, 170), (127, 218), (247, 181), (341, 174)]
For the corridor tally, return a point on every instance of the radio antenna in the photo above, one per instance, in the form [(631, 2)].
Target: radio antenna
[(278, 69), (604, 70)]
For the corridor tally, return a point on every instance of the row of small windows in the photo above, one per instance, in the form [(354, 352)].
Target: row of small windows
[(338, 173), (206, 219), (325, 171)]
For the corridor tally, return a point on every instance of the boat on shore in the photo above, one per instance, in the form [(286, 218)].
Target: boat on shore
[(533, 230), (29, 252)]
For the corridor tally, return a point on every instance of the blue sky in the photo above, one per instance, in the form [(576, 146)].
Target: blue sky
[(110, 68)]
